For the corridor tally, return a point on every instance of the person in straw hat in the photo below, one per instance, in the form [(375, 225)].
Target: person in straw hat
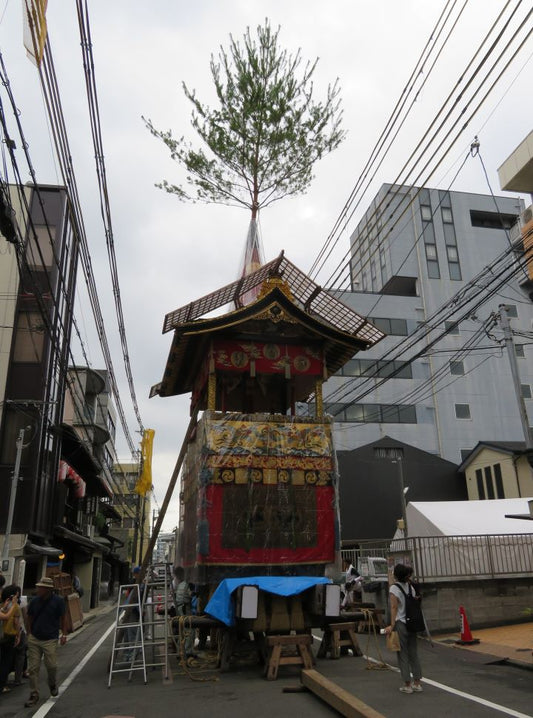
[(47, 623)]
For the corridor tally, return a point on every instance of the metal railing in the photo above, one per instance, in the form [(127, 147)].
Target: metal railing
[(442, 558)]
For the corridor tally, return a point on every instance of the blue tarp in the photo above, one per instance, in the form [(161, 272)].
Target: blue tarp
[(221, 606)]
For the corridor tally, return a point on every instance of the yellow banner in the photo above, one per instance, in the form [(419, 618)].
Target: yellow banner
[(144, 485), (34, 29)]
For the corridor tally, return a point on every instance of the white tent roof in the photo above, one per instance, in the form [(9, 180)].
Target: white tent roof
[(456, 518)]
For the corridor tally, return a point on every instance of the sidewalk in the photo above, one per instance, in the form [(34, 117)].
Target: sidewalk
[(513, 643), (105, 607)]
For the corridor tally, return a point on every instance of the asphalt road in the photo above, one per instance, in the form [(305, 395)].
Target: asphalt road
[(456, 683)]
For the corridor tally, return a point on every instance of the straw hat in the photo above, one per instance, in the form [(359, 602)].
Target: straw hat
[(45, 582)]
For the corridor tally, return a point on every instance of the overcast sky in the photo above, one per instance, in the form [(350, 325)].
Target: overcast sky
[(171, 253)]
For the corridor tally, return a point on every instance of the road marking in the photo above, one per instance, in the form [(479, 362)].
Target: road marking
[(454, 691), (46, 707), (462, 694)]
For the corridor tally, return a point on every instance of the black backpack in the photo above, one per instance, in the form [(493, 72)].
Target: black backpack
[(414, 618)]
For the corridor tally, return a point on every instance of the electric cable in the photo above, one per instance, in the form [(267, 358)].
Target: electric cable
[(379, 211), (94, 114)]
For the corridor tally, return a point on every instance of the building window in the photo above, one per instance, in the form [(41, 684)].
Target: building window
[(480, 484), (431, 252), (451, 328), (492, 220), (526, 391), (462, 411), (452, 254), (373, 413), (429, 236), (377, 368), (455, 271), (394, 327), (433, 270), (457, 368), (488, 483), (498, 480), (425, 211), (519, 351), (447, 216)]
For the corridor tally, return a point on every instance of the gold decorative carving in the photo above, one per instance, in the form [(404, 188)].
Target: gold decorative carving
[(319, 402), (275, 283), (211, 392)]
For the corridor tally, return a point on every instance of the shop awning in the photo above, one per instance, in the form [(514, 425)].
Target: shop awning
[(76, 538), (43, 550)]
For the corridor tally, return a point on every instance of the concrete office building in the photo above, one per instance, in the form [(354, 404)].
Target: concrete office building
[(407, 261)]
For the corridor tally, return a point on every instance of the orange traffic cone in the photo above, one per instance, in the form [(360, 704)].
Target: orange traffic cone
[(466, 634)]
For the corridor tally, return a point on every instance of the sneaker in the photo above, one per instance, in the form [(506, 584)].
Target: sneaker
[(32, 700), (406, 689), (53, 691), (417, 688)]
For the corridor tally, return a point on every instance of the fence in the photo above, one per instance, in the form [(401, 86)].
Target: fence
[(442, 558), (467, 557)]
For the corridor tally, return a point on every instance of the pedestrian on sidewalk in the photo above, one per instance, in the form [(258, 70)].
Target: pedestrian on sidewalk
[(20, 659), (408, 654), (46, 618), (10, 615)]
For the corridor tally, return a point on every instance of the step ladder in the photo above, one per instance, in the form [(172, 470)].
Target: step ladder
[(128, 653), (157, 598)]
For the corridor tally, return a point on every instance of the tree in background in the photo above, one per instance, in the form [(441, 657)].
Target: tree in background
[(266, 133)]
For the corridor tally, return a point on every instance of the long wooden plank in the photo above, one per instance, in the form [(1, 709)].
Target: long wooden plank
[(335, 696)]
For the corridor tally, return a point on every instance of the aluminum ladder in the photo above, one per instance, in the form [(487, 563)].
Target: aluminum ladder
[(128, 653), (156, 601)]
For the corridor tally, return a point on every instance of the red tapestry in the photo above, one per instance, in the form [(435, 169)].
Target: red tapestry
[(269, 525)]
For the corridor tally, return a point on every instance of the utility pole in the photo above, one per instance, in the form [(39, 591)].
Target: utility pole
[(13, 495), (398, 462), (509, 343)]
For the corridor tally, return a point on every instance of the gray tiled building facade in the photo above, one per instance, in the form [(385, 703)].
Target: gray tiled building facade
[(409, 260)]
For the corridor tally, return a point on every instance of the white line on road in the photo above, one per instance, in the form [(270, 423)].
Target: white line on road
[(46, 707), (455, 692)]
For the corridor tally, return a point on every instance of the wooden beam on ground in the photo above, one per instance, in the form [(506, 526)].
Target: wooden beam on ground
[(335, 696)]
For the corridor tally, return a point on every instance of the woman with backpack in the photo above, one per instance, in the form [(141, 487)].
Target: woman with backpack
[(404, 605)]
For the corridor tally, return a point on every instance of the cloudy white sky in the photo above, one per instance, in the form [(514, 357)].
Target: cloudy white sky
[(170, 253)]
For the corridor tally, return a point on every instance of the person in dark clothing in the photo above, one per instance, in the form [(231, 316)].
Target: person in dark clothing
[(46, 617), (11, 616), (408, 661)]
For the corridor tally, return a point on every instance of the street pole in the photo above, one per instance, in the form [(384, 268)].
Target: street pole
[(509, 343), (402, 489), (13, 495)]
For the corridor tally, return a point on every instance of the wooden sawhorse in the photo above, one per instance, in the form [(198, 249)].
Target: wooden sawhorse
[(337, 635), (276, 656)]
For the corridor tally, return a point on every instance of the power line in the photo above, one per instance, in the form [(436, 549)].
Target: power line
[(53, 104), (459, 301), (380, 211), (94, 113)]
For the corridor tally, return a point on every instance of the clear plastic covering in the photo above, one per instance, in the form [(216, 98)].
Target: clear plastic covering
[(259, 491)]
